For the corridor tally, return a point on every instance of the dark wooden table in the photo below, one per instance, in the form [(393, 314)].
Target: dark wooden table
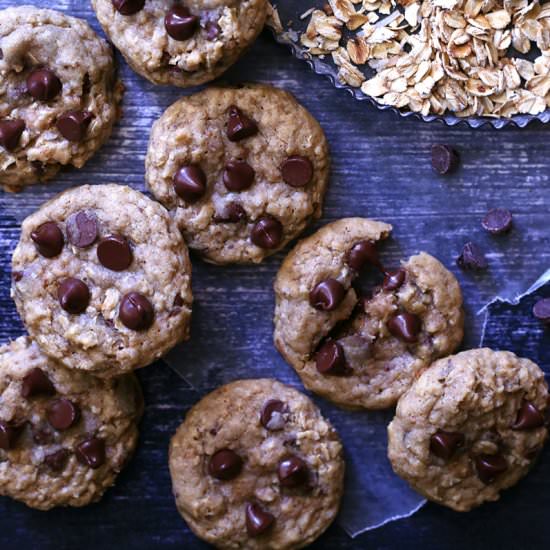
[(381, 170)]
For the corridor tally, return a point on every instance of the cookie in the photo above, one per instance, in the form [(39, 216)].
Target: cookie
[(183, 44), (59, 95), (102, 279), (64, 436), (255, 465), (362, 352), (243, 170), (469, 427)]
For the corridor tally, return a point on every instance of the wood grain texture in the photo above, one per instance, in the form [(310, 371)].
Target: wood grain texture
[(381, 169)]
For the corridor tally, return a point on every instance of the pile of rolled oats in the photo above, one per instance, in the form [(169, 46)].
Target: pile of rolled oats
[(437, 56)]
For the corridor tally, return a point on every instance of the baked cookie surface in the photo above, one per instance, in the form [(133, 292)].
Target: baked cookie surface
[(362, 352), (64, 436), (243, 170), (181, 43), (102, 279), (470, 426), (59, 95), (255, 465)]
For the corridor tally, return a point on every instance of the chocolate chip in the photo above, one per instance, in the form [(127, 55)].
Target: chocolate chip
[(10, 133), (91, 452), (56, 461), (190, 183), (62, 414), (48, 239), (73, 125), (114, 252), (529, 417), (394, 279), (212, 30), (43, 84), (240, 126), (17, 275), (238, 175), (327, 295), (489, 467), (497, 221), (9, 433), (445, 444), (180, 24), (272, 413), (225, 464), (82, 229), (541, 310), (405, 326), (73, 295), (293, 472), (136, 311), (445, 159), (233, 212), (178, 301), (331, 360), (128, 7), (472, 257), (267, 232), (362, 253), (36, 382), (297, 171), (258, 521)]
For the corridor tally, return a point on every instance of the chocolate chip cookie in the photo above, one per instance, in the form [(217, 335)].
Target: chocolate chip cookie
[(102, 279), (255, 465), (470, 426), (59, 95), (244, 170), (181, 43), (64, 436), (362, 351)]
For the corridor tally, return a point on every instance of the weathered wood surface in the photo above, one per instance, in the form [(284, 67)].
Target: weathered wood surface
[(382, 170)]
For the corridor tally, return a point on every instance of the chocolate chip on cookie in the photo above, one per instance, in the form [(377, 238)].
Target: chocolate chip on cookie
[(190, 183), (128, 7), (405, 326), (267, 232), (91, 452), (74, 295), (180, 24), (363, 253), (238, 175), (327, 295), (529, 417), (63, 414), (9, 434), (445, 444), (489, 467), (232, 212), (331, 360), (293, 472), (36, 382), (48, 239), (239, 125), (73, 125), (82, 229), (57, 460), (136, 311), (272, 416), (115, 253), (297, 171), (394, 279), (10, 133), (225, 464), (258, 520), (43, 84)]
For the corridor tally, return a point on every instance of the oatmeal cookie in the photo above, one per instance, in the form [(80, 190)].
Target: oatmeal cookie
[(469, 427), (255, 465), (102, 279), (362, 352), (59, 95), (244, 170)]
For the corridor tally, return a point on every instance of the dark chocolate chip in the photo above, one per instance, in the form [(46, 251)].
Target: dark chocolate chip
[(529, 417), (136, 311), (497, 221), (56, 461), (445, 444), (212, 30), (48, 239), (327, 295), (36, 382), (297, 171), (258, 521), (82, 229), (293, 472), (239, 125), (267, 232), (43, 84), (10, 133), (541, 310), (362, 253), (73, 125), (405, 326), (238, 175), (9, 433), (445, 159), (73, 295), (394, 279), (128, 7), (180, 24), (178, 301), (190, 183), (272, 413), (489, 467), (225, 464), (472, 257), (62, 414), (91, 452), (233, 212), (331, 360), (114, 252)]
